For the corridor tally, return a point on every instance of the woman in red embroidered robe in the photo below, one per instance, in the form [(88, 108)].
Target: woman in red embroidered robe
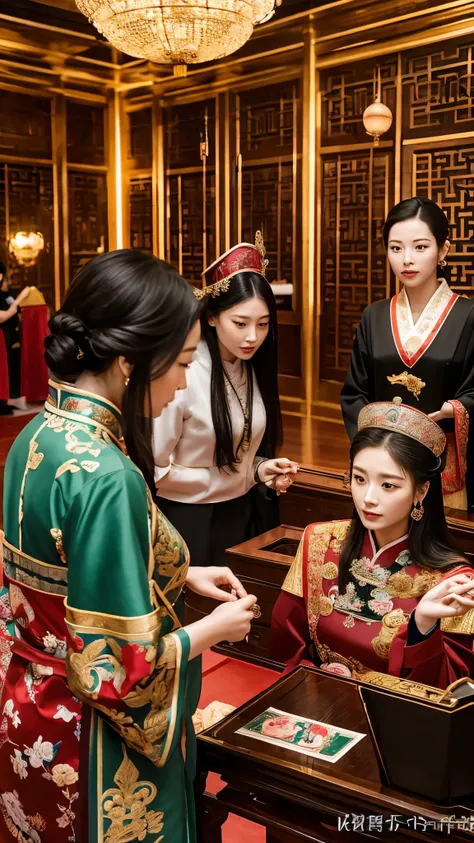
[(419, 344), (386, 592)]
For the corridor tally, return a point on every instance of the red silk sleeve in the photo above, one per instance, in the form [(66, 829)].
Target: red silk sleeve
[(438, 661), (289, 634)]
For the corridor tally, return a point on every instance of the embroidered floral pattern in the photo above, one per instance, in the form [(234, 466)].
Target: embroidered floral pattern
[(126, 806), (24, 828)]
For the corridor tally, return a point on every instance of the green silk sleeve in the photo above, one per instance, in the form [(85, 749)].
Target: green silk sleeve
[(123, 658)]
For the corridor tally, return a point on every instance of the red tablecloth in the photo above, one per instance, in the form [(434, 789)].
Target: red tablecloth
[(34, 372)]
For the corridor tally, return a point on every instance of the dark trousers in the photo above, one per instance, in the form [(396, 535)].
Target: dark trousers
[(210, 528)]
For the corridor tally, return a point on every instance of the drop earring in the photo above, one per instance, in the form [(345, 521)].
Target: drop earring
[(442, 264), (127, 381), (418, 511)]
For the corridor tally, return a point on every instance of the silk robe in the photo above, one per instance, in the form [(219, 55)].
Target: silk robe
[(425, 364), (366, 629), (96, 687)]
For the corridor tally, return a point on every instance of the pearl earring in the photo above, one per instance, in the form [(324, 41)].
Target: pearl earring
[(127, 381)]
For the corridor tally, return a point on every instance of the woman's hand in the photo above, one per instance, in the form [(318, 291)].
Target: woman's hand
[(276, 474), (451, 598), (22, 296), (446, 412), (231, 621), (209, 581)]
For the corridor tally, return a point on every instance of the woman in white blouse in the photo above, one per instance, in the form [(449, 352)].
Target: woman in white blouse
[(217, 440)]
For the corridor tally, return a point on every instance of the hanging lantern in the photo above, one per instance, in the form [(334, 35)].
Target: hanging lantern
[(26, 247), (377, 119), (177, 33)]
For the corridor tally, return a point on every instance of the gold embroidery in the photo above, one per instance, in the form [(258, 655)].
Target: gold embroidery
[(412, 336), (411, 382), (463, 625), (34, 459), (340, 529), (70, 465), (321, 605), (318, 544), (126, 806), (90, 466), (329, 569), (293, 583), (86, 671), (403, 586), (406, 687), (58, 538), (391, 622), (79, 446), (85, 621)]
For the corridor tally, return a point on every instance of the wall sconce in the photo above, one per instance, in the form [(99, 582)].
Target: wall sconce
[(26, 247), (377, 117)]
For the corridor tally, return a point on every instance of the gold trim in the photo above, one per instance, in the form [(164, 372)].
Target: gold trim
[(133, 625), (69, 387), (31, 562), (80, 419), (100, 773), (293, 582), (463, 625), (174, 704), (437, 139)]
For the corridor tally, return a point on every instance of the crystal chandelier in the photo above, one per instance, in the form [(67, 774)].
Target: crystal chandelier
[(177, 32), (26, 247)]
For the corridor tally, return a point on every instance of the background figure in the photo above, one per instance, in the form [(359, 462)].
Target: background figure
[(387, 591), (217, 441), (420, 344), (10, 343)]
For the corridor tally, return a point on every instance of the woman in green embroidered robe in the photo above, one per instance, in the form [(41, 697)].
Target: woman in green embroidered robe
[(98, 679)]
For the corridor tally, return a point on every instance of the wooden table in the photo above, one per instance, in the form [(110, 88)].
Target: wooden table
[(300, 798)]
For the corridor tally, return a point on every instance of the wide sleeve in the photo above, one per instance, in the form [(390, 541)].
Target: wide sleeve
[(357, 389), (119, 661), (167, 431), (465, 390), (290, 640), (439, 659)]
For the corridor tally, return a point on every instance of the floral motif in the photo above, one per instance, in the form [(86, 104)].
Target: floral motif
[(24, 828), (368, 572), (67, 816), (56, 646), (20, 766), (126, 806), (337, 668), (40, 752), (280, 727), (380, 603), (14, 716), (350, 601)]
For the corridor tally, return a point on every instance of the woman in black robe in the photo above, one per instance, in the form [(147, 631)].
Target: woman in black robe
[(420, 344)]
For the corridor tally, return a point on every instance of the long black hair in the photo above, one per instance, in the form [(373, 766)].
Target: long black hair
[(124, 303), (427, 211), (430, 542), (244, 285)]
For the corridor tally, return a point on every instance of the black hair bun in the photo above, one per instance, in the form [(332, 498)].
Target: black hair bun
[(67, 345)]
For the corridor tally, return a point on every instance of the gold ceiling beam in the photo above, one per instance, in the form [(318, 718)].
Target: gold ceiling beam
[(417, 39), (50, 28)]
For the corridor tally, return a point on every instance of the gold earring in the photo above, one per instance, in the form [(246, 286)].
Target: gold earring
[(418, 511), (442, 264), (127, 381)]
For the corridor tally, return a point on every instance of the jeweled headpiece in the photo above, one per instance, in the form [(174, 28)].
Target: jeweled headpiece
[(400, 418), (241, 258)]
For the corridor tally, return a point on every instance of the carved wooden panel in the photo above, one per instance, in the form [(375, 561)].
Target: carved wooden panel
[(355, 201), (140, 140), (26, 203), (187, 127), (446, 175), (25, 125), (438, 89), (141, 213), (85, 133), (267, 118), (191, 223), (346, 93), (87, 194), (267, 205)]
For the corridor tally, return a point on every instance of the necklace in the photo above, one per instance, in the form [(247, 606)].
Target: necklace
[(246, 407)]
